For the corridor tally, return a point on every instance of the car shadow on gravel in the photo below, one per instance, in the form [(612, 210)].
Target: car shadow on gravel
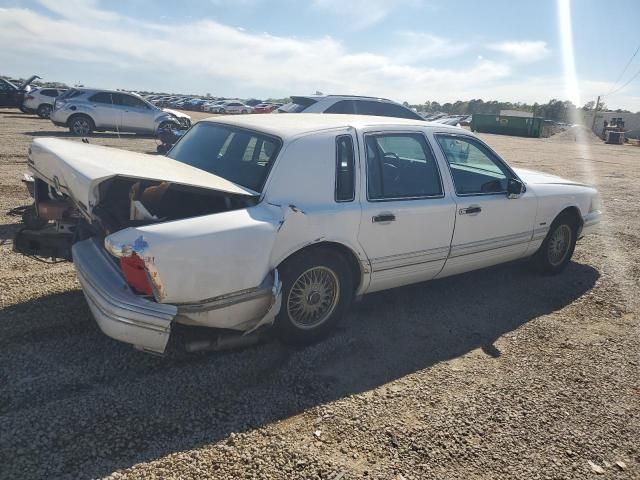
[(76, 403)]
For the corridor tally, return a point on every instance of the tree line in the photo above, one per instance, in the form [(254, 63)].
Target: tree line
[(557, 110)]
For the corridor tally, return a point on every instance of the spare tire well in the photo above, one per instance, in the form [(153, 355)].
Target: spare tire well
[(346, 252)]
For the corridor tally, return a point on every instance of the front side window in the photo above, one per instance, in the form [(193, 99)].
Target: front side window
[(474, 168), (401, 165), (345, 169), (6, 86), (241, 156), (129, 101)]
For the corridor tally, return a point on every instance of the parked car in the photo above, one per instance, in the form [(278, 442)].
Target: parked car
[(40, 100), (235, 107), (266, 107), (347, 104), (12, 95), (84, 110), (254, 220), (214, 106)]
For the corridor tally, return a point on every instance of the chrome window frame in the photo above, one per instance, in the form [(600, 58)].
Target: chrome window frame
[(401, 132), (472, 139)]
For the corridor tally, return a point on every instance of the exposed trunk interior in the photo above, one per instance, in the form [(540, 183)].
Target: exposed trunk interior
[(127, 202)]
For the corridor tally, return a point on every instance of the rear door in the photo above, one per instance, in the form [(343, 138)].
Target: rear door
[(490, 227), (407, 217), (105, 111)]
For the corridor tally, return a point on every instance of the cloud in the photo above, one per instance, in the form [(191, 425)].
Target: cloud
[(359, 13), (525, 52), (415, 47), (241, 61)]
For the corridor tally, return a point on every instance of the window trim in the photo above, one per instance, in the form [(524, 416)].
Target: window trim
[(497, 157), (396, 199), (353, 167)]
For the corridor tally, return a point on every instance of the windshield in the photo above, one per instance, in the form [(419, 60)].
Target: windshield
[(241, 156), (297, 105)]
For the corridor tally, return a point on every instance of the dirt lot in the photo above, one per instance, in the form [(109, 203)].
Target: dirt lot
[(495, 374)]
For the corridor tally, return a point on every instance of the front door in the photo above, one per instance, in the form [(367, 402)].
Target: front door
[(490, 227), (137, 116), (407, 220)]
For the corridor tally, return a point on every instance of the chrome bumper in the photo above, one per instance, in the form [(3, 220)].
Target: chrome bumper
[(119, 312)]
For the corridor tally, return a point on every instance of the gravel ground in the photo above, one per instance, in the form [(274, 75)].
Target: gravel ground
[(495, 374)]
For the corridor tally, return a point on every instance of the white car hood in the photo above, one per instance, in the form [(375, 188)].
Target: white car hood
[(77, 168), (176, 113), (533, 177)]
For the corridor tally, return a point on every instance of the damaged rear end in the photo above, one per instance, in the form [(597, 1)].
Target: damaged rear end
[(153, 240)]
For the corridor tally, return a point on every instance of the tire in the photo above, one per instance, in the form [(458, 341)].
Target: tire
[(245, 111), (557, 248), (310, 311), (81, 125), (44, 110)]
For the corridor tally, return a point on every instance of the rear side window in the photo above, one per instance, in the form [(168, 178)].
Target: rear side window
[(49, 93), (401, 165), (102, 97), (384, 109), (345, 169), (343, 106), (297, 105)]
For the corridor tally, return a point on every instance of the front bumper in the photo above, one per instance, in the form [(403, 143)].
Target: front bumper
[(120, 313), (590, 222)]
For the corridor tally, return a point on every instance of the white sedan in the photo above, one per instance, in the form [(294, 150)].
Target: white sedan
[(283, 219)]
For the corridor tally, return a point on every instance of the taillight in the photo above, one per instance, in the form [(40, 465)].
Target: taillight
[(136, 274), (29, 97)]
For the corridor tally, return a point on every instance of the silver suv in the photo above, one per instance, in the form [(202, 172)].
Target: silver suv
[(348, 104), (85, 110)]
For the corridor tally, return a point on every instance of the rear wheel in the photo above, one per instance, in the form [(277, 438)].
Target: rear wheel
[(44, 110), (317, 291), (557, 249), (81, 125)]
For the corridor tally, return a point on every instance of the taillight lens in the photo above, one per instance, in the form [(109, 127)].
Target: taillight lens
[(136, 275), (29, 97)]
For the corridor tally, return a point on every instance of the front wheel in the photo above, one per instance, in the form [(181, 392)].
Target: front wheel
[(557, 249), (317, 290), (81, 125)]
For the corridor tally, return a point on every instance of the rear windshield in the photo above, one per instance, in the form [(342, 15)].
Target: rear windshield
[(297, 105), (241, 156)]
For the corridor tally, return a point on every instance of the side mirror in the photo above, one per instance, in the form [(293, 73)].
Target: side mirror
[(515, 188)]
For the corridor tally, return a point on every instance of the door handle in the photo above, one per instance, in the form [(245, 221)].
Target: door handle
[(384, 218), (472, 210)]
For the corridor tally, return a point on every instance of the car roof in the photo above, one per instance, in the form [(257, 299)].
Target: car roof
[(289, 125)]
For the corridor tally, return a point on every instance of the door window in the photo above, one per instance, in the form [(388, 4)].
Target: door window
[(401, 165), (384, 109), (129, 101), (5, 87), (102, 97), (343, 106), (474, 168)]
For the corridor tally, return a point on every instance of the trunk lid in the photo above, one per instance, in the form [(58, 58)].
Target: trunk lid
[(76, 169), (28, 81)]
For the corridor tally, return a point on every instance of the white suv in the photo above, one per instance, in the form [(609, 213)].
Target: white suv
[(348, 104), (41, 100)]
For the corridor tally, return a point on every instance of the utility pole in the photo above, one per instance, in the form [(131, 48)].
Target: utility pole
[(595, 112)]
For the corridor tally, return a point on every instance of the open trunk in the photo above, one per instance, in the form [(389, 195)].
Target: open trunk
[(84, 190)]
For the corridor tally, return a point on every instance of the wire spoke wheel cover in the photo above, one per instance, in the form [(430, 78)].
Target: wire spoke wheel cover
[(559, 245), (313, 297)]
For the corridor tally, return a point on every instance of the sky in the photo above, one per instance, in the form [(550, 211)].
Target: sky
[(406, 50)]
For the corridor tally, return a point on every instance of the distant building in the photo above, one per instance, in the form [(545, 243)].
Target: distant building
[(631, 121), (515, 113)]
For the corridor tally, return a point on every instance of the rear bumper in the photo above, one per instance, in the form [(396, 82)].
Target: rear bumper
[(590, 222), (119, 312)]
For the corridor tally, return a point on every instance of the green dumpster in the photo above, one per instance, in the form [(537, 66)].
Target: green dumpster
[(507, 125)]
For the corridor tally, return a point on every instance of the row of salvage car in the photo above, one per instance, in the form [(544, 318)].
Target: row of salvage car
[(281, 221)]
